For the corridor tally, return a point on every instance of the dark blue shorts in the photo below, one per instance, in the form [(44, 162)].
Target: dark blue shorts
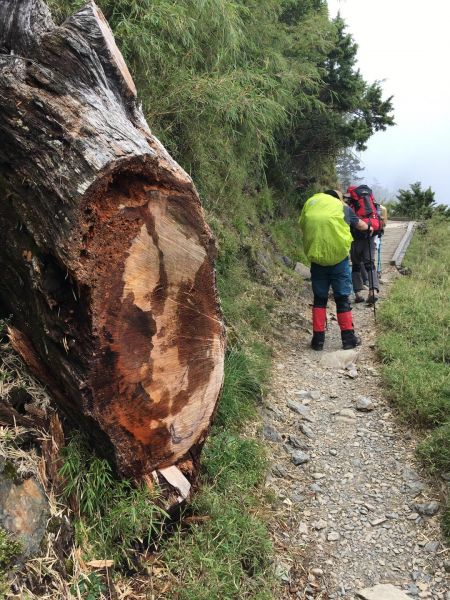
[(339, 277)]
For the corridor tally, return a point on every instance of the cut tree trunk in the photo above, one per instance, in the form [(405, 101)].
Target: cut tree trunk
[(107, 263)]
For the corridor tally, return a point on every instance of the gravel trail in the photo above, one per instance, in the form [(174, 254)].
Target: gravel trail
[(354, 509)]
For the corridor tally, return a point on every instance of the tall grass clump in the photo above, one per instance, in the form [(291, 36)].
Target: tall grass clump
[(220, 81), (114, 519), (415, 342)]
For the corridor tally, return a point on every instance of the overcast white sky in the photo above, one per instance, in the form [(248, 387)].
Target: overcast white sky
[(406, 43)]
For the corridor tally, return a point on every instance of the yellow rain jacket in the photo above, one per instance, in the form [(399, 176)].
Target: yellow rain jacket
[(326, 235)]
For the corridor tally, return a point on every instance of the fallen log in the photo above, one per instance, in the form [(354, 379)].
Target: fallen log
[(107, 263)]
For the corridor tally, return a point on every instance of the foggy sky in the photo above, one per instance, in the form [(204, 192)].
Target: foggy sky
[(406, 43)]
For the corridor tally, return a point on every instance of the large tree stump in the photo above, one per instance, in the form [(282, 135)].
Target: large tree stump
[(106, 260)]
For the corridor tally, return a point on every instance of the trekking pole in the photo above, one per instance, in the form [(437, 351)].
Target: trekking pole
[(372, 266)]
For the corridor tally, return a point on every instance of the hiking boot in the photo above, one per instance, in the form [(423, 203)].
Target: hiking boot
[(358, 297), (350, 340), (318, 340)]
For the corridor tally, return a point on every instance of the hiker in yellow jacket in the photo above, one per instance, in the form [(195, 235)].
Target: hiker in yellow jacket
[(325, 223)]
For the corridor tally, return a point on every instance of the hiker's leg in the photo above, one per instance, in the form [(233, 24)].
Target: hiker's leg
[(320, 284), (357, 258), (342, 287), (341, 278), (345, 320)]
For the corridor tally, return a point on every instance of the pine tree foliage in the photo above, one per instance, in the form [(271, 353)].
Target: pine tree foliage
[(418, 204), (348, 167)]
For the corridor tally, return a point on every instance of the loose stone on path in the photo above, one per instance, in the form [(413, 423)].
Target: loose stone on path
[(364, 404), (383, 592)]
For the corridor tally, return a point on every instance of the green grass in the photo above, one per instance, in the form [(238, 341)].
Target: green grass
[(113, 519), (9, 550), (245, 372), (228, 556), (287, 238), (415, 343)]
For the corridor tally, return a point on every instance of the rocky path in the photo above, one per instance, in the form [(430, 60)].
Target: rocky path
[(354, 510)]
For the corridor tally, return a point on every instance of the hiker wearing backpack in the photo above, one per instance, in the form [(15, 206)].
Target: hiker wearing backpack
[(360, 198), (325, 224)]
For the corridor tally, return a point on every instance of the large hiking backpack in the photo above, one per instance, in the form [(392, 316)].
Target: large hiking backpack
[(326, 235), (364, 205)]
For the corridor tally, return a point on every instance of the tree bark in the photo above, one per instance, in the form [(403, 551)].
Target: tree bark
[(107, 263)]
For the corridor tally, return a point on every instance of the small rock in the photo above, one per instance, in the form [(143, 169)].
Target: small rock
[(346, 415), (333, 452), (288, 262), (376, 522), (339, 359), (279, 292), (319, 525), (315, 395), (298, 443), (428, 509), (263, 258), (271, 434), (298, 498), (383, 592), (299, 458), (347, 412), (318, 476), (447, 566), (282, 571), (303, 270), (300, 409), (303, 528), (364, 404), (317, 572), (432, 547), (410, 474), (333, 536), (24, 511), (280, 471), (414, 488), (306, 429), (352, 372), (446, 476), (315, 487), (413, 590), (413, 516)]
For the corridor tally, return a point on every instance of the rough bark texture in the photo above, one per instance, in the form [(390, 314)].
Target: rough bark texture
[(106, 260)]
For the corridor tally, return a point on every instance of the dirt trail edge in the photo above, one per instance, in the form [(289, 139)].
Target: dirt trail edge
[(354, 508)]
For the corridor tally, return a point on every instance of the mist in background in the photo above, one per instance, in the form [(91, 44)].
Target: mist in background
[(406, 45)]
